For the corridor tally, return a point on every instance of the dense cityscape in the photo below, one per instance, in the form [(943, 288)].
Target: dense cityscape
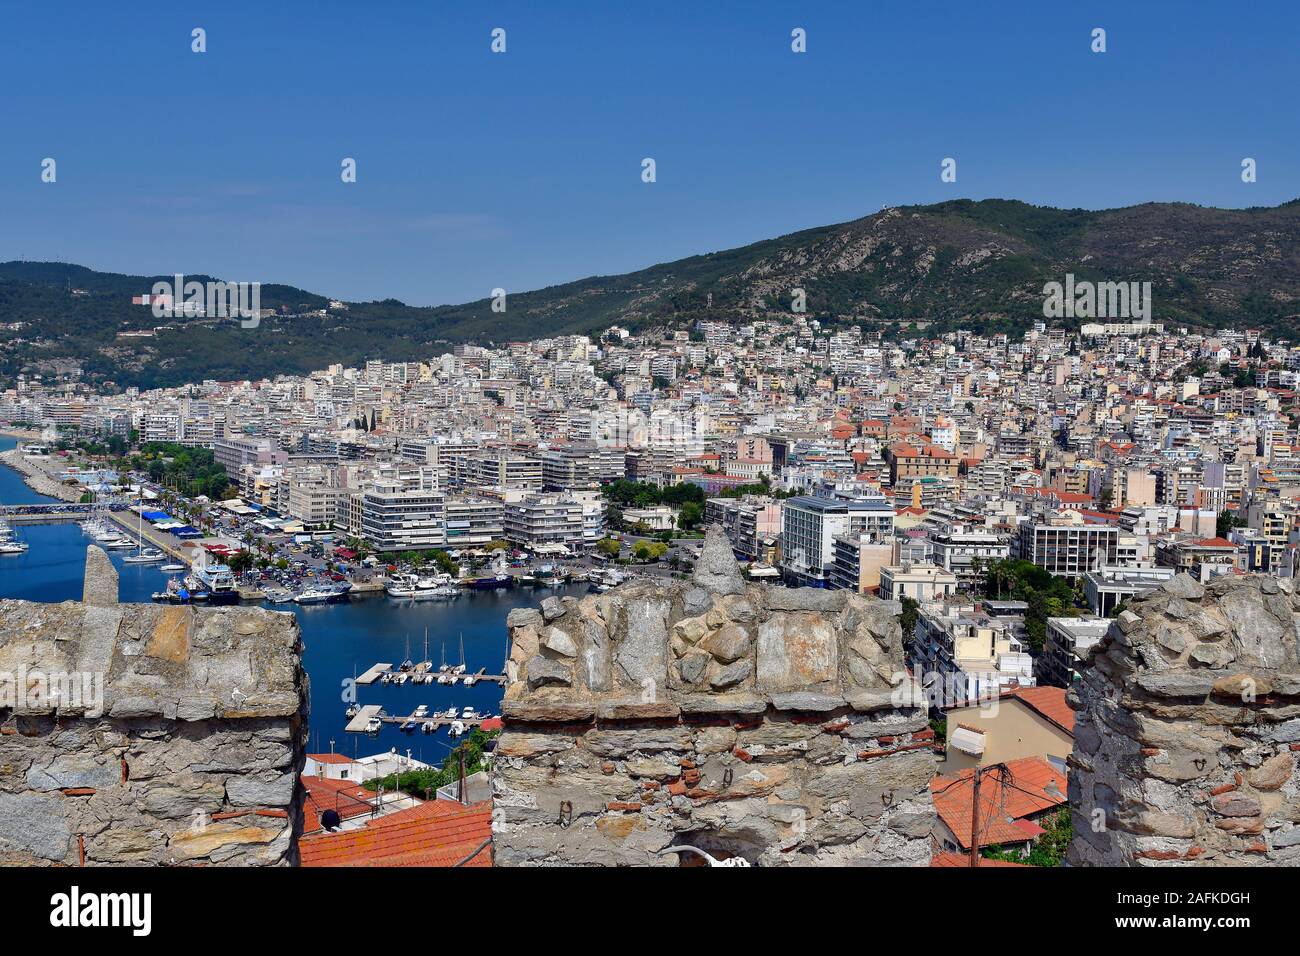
[(920, 468), (685, 439)]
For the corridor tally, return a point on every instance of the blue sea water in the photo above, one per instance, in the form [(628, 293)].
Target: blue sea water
[(339, 640)]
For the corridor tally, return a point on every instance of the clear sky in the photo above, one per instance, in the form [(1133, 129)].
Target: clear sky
[(523, 169)]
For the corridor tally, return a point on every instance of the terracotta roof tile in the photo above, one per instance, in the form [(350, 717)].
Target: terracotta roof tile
[(1049, 702), (433, 833), (1003, 805)]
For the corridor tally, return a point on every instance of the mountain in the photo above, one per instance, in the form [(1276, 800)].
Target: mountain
[(979, 265)]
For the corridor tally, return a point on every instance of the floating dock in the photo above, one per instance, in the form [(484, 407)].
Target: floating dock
[(372, 675), (427, 677), (357, 725)]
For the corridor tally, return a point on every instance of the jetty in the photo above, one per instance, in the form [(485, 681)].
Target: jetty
[(372, 675), (429, 676), (357, 725)]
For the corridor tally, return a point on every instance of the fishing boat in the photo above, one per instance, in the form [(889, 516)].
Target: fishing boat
[(278, 595), (175, 593)]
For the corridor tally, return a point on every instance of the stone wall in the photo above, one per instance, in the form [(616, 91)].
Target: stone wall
[(1188, 728), (188, 754), (768, 723)]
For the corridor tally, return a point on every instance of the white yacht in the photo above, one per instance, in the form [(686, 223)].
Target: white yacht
[(144, 556), (8, 543)]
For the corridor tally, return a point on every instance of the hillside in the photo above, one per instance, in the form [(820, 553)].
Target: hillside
[(980, 265)]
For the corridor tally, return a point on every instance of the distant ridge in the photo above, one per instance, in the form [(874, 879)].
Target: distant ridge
[(979, 265)]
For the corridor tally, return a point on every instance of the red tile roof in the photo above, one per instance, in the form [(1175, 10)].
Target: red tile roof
[(330, 758), (324, 794), (1004, 804), (1048, 702), (961, 859), (433, 833)]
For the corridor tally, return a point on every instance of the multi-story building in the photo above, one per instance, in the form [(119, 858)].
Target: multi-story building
[(1068, 548), (404, 510), (968, 553), (472, 521), (1066, 645), (545, 521), (1106, 588), (810, 525), (752, 525)]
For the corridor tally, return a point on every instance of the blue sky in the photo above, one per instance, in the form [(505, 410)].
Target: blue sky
[(521, 170)]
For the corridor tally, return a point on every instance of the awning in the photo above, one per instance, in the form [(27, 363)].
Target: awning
[(967, 741)]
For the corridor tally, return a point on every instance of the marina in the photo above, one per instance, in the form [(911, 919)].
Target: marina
[(340, 641), (370, 718)]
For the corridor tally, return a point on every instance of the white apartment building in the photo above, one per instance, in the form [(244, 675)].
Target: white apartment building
[(404, 509)]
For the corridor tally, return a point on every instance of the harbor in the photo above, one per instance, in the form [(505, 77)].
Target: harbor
[(341, 642)]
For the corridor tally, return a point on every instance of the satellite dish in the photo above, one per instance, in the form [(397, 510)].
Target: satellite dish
[(330, 820)]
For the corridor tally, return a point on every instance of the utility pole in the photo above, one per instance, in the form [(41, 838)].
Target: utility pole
[(1001, 769), (461, 794), (975, 819)]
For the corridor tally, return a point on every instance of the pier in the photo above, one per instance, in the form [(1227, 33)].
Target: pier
[(424, 674), (372, 675), (357, 725)]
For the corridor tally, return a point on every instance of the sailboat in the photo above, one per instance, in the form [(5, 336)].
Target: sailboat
[(460, 668), (142, 554), (407, 663), (425, 667), (445, 675)]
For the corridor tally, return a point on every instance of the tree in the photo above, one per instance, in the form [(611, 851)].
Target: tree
[(690, 516), (240, 561), (609, 547), (907, 620), (1226, 522), (647, 551), (1049, 849)]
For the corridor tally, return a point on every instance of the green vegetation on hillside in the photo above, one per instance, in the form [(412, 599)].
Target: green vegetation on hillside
[(976, 265)]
